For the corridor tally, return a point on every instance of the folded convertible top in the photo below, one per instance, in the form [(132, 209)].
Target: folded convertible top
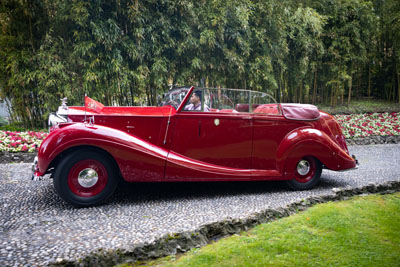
[(303, 112)]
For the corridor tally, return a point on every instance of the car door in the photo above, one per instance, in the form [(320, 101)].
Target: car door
[(221, 139)]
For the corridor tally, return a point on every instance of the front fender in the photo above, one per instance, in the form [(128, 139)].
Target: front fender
[(311, 142), (136, 158)]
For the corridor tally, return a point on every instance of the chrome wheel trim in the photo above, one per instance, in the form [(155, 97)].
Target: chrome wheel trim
[(88, 178), (303, 167)]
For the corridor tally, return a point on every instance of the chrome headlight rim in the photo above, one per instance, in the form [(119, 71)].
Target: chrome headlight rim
[(55, 119)]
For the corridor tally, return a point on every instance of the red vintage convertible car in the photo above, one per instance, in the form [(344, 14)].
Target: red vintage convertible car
[(195, 134)]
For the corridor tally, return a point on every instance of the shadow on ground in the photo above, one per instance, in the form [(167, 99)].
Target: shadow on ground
[(135, 193)]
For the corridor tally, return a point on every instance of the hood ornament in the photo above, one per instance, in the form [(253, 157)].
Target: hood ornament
[(64, 103)]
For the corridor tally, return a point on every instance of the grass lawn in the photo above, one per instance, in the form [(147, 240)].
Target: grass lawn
[(363, 231)]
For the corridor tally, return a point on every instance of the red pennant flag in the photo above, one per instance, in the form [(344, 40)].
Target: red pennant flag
[(93, 105)]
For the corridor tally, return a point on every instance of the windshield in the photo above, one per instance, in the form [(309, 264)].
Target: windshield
[(174, 97), (221, 100)]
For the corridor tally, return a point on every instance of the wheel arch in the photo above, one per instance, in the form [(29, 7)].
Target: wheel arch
[(135, 158), (56, 160), (306, 142)]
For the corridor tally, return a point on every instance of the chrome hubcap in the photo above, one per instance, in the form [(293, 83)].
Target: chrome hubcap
[(88, 178), (303, 167)]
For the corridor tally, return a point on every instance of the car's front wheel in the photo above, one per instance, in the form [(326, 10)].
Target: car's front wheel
[(85, 178), (307, 174)]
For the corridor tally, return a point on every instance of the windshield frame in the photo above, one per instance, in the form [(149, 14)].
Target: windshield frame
[(168, 101)]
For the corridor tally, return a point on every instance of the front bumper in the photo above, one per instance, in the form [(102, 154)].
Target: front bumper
[(36, 174)]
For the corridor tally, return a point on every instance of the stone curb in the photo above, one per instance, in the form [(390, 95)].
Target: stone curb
[(16, 157), (174, 243), (20, 157), (373, 140)]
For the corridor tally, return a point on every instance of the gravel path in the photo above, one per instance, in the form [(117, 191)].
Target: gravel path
[(37, 227)]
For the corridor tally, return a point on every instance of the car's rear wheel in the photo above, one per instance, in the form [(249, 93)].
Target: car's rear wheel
[(85, 178), (307, 174)]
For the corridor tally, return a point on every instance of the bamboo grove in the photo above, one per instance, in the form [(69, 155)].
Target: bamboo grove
[(124, 52)]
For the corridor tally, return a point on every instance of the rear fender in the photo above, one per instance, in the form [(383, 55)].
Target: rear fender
[(136, 158), (304, 142)]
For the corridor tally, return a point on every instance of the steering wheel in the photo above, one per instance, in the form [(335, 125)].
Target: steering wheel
[(172, 103)]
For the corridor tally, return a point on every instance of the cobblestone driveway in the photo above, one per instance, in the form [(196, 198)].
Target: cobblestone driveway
[(37, 228)]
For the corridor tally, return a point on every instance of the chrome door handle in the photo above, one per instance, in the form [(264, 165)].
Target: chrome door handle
[(246, 118)]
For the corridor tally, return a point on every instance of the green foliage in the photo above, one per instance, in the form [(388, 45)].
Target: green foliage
[(358, 232), (362, 106), (13, 127), (127, 52), (3, 121)]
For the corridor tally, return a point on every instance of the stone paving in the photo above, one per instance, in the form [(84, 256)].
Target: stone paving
[(37, 227)]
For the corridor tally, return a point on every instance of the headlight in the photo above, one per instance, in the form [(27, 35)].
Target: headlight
[(55, 119)]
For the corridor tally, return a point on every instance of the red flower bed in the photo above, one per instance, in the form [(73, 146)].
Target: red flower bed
[(363, 125), (21, 141)]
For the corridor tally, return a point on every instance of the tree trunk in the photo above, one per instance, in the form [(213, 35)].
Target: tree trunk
[(336, 94), (369, 80), (398, 86), (396, 74), (300, 98), (342, 95), (23, 118), (282, 88), (315, 88), (131, 102), (154, 97), (278, 89), (31, 32), (286, 90), (291, 93), (148, 91), (26, 113), (350, 86), (394, 89), (356, 91), (10, 112), (121, 97), (106, 94)]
